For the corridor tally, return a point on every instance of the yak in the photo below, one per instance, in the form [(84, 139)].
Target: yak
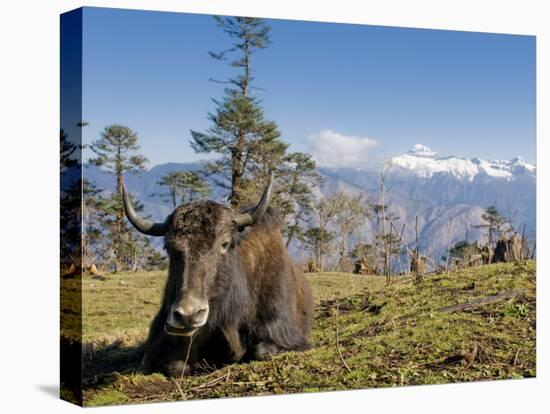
[(232, 293)]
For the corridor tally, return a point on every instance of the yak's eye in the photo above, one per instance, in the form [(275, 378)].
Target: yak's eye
[(225, 246)]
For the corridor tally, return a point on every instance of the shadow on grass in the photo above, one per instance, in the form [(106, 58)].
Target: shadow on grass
[(101, 363)]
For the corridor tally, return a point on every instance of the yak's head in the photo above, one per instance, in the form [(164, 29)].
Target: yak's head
[(199, 238)]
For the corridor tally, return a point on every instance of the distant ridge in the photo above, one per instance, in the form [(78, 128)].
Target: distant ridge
[(419, 183)]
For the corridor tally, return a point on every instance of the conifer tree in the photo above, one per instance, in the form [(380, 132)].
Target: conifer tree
[(248, 145), (116, 153), (293, 200), (70, 199), (318, 241), (494, 223), (183, 186)]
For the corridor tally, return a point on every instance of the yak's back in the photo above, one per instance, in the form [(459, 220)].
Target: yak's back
[(261, 247)]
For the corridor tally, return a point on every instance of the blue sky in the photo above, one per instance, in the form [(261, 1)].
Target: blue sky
[(349, 94)]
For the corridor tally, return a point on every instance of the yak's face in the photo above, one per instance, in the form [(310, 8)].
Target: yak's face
[(199, 238), (198, 241)]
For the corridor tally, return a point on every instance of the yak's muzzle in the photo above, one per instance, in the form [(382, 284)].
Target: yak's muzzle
[(186, 317)]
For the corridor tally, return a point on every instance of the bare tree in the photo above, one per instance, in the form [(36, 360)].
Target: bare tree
[(448, 244), (326, 211), (386, 165), (349, 213)]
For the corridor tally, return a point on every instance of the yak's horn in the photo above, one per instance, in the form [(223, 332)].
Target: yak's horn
[(142, 225), (250, 217)]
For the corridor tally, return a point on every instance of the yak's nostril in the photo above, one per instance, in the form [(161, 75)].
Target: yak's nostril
[(179, 317), (182, 318)]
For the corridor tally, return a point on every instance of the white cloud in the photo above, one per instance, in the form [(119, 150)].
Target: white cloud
[(332, 149)]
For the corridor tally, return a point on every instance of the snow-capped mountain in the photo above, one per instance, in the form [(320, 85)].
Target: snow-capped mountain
[(422, 175), (435, 188), (422, 162), (419, 184)]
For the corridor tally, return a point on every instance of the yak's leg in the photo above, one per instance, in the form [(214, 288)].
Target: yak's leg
[(266, 350), (182, 366), (171, 355), (280, 335), (149, 362), (233, 338), (166, 353)]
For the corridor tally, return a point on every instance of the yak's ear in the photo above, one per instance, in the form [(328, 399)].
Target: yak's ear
[(236, 229)]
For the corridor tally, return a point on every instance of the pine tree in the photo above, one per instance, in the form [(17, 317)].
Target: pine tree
[(183, 186), (193, 186), (70, 199), (67, 148), (318, 240), (249, 145), (293, 196), (70, 224), (116, 153), (494, 224), (464, 250)]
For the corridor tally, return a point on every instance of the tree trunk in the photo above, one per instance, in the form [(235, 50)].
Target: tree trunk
[(321, 241), (173, 196), (246, 80), (120, 212), (385, 233), (448, 244), (236, 173), (292, 231)]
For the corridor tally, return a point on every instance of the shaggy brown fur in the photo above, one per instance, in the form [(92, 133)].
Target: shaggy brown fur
[(259, 301)]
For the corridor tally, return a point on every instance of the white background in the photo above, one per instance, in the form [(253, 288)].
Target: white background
[(29, 138)]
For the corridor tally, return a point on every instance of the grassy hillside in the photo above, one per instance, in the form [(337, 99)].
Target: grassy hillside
[(365, 335)]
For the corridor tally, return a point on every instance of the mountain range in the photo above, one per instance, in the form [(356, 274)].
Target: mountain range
[(419, 184)]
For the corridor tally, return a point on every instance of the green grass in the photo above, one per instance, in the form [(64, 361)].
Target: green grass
[(387, 336), (121, 307)]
